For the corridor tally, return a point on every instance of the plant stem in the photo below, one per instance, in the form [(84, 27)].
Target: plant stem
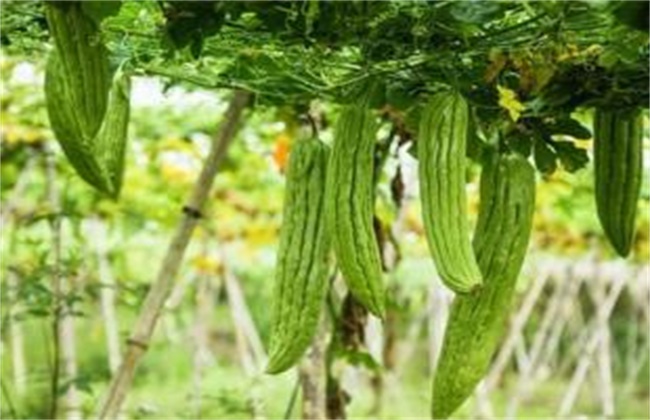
[(6, 398), (138, 343), (292, 400)]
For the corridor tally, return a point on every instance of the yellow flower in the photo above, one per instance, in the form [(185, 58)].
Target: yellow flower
[(508, 101)]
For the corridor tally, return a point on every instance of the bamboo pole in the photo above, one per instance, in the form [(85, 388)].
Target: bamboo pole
[(251, 357), (18, 191), (525, 380), (138, 343), (439, 302), (604, 380), (312, 376), (55, 231), (96, 229), (553, 341), (244, 319), (65, 354), (202, 357), (515, 332), (19, 367), (602, 317)]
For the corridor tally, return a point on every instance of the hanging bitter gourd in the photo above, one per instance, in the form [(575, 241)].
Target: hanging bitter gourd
[(302, 266), (110, 143), (88, 107), (618, 160), (98, 160), (477, 320), (350, 206), (442, 139), (84, 61), (67, 128)]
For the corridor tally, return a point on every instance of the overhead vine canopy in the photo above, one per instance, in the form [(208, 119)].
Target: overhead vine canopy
[(525, 64), (505, 83)]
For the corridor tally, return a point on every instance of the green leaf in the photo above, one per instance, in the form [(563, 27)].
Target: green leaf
[(571, 157), (99, 10), (361, 358), (569, 127), (544, 157), (633, 14), (398, 97), (520, 143), (475, 146), (476, 12)]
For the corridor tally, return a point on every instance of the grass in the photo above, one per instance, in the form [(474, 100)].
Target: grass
[(165, 385)]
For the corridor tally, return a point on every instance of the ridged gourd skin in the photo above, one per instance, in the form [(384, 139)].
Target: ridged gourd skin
[(302, 266), (477, 321), (85, 63), (350, 206), (110, 144), (87, 105), (618, 161), (99, 160), (442, 139), (66, 127)]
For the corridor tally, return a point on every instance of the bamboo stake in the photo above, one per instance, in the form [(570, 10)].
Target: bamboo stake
[(17, 337), (408, 346), (516, 327), (604, 382), (525, 380), (96, 229), (439, 302), (55, 224), (602, 317), (638, 344), (312, 377), (68, 343), (250, 363), (252, 359), (15, 327), (18, 191), (553, 341), (242, 315), (65, 355), (160, 289), (483, 408), (202, 356), (522, 356)]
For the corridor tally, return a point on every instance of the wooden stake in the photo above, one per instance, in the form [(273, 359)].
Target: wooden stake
[(65, 355), (160, 289), (516, 327), (312, 377), (19, 367), (584, 362), (96, 229)]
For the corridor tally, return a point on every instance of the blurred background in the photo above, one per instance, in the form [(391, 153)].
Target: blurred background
[(577, 342)]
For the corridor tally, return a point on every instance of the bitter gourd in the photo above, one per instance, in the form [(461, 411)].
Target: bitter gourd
[(88, 106), (84, 61), (66, 127), (110, 144), (302, 266), (618, 157), (477, 320), (350, 206), (98, 160), (442, 139)]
